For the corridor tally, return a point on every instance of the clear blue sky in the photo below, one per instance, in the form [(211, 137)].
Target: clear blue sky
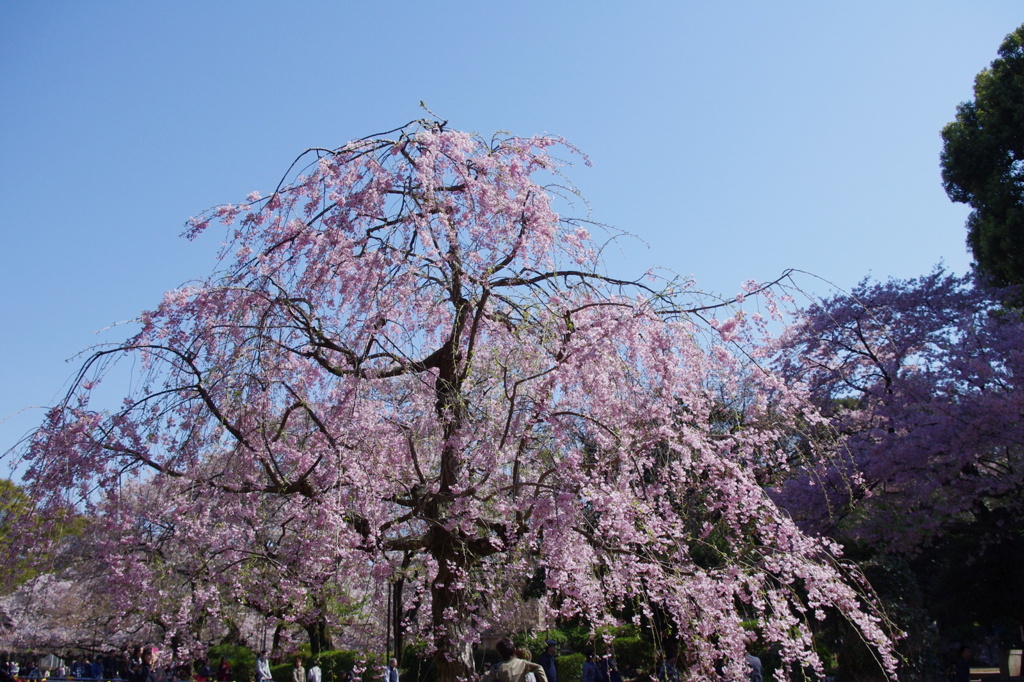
[(737, 139)]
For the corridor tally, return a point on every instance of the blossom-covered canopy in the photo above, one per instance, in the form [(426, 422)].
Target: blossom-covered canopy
[(410, 365)]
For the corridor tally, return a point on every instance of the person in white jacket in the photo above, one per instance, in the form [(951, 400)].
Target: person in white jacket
[(313, 674), (263, 668)]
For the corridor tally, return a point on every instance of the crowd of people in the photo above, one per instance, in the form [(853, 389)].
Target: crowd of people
[(98, 668), (668, 671), (299, 671), (516, 665), (139, 665), (143, 665)]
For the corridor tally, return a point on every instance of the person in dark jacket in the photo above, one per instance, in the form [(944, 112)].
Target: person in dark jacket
[(547, 660), (962, 667), (591, 673), (146, 672), (667, 671), (608, 667)]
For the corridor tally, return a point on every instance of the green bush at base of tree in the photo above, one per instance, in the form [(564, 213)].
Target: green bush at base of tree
[(241, 659), (570, 667)]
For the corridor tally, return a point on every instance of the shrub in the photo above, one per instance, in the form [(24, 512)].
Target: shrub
[(241, 659), (333, 663), (537, 643), (415, 667), (634, 656), (282, 672), (570, 667)]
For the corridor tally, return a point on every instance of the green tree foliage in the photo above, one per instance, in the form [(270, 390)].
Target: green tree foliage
[(23, 561), (983, 164), (14, 505)]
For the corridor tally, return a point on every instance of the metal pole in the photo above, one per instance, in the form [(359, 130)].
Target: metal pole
[(387, 633)]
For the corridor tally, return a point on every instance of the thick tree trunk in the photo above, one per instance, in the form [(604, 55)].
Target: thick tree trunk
[(275, 651), (449, 616), (454, 657), (234, 635), (319, 636), (399, 614)]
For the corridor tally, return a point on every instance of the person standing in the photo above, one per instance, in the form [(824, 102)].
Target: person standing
[(526, 656), (962, 668), (547, 660), (754, 665), (514, 669), (590, 670), (263, 668), (223, 670), (299, 672), (754, 669), (391, 674), (205, 672), (668, 672), (607, 666), (314, 674), (146, 671)]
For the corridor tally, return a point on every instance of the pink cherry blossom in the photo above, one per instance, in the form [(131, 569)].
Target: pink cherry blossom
[(410, 369)]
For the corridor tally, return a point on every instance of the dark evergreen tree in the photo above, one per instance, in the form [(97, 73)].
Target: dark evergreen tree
[(983, 164)]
